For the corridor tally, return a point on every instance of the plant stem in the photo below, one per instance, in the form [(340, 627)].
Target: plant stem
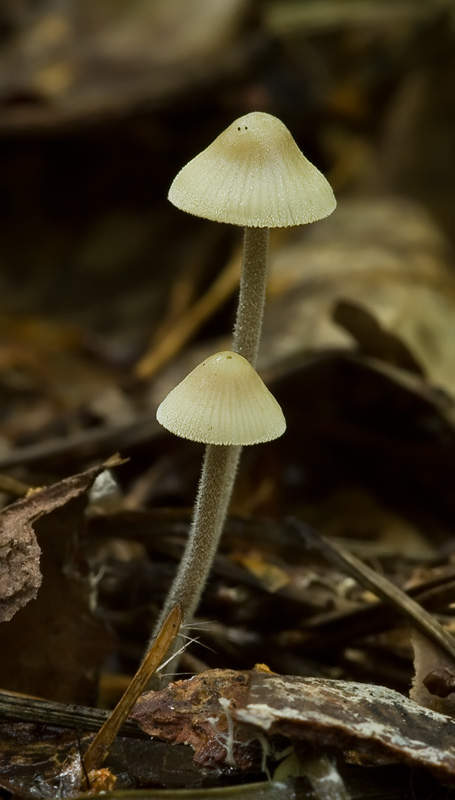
[(253, 281)]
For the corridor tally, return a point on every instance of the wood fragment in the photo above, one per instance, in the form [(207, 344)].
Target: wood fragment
[(20, 708)]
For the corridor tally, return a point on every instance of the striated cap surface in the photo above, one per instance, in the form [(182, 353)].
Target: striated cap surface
[(253, 175), (222, 401)]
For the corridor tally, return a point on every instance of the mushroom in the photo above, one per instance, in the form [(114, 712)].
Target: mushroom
[(225, 404), (253, 175)]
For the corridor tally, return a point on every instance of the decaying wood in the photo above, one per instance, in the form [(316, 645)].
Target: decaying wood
[(235, 718)]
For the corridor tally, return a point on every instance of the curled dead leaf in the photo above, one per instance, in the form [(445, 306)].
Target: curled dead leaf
[(20, 576)]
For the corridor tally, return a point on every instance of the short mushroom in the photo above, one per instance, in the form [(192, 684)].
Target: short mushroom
[(223, 401), (225, 404)]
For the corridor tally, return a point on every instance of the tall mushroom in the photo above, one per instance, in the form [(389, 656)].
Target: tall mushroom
[(252, 175), (224, 403)]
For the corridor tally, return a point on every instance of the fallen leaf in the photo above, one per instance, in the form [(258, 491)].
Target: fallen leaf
[(20, 576)]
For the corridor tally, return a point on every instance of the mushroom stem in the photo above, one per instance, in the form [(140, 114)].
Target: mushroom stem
[(253, 281), (214, 492), (220, 462)]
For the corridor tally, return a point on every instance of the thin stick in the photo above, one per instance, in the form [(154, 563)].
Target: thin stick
[(21, 708), (101, 744)]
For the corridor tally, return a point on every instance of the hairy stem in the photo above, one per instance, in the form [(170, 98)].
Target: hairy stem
[(215, 488), (221, 462), (253, 281)]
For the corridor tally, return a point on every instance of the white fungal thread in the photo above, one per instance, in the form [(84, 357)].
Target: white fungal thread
[(227, 740), (265, 747), (225, 705)]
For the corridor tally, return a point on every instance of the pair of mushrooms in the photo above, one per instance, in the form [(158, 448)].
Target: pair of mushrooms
[(252, 175)]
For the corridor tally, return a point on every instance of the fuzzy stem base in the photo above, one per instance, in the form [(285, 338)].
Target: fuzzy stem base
[(214, 492)]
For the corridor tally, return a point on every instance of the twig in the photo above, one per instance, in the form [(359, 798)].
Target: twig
[(20, 708), (101, 744)]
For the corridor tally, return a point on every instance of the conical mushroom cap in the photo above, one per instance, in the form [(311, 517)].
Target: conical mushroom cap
[(253, 175), (222, 401)]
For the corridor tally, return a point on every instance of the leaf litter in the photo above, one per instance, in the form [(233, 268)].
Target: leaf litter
[(358, 347)]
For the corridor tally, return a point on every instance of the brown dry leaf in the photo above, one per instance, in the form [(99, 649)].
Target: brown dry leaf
[(220, 712), (20, 576), (390, 262), (41, 743), (47, 649)]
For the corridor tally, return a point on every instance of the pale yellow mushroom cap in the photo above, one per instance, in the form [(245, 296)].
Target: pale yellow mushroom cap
[(222, 401), (253, 175)]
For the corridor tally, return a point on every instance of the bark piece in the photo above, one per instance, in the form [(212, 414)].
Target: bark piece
[(199, 712), (378, 723)]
